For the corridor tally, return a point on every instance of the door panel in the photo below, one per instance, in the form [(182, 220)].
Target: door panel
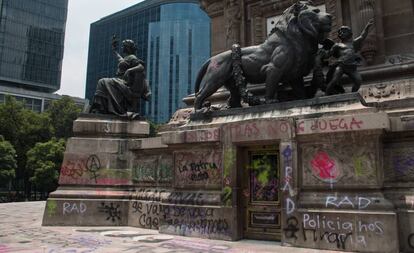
[(261, 196)]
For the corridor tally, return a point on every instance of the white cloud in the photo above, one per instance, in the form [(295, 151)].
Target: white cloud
[(81, 13)]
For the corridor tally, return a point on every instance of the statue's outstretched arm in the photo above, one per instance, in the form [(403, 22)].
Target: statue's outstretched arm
[(358, 41)]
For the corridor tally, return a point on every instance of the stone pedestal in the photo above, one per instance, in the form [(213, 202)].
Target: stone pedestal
[(344, 173)]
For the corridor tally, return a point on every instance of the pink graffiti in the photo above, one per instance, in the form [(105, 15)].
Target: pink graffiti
[(214, 65), (324, 167), (203, 135)]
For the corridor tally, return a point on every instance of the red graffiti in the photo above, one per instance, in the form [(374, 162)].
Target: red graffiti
[(329, 125), (73, 170), (203, 135), (260, 129), (324, 167)]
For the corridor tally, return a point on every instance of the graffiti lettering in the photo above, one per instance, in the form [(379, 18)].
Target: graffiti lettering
[(203, 135), (329, 125), (331, 237), (148, 214), (188, 198), (147, 194), (321, 222), (356, 202), (199, 167), (69, 208)]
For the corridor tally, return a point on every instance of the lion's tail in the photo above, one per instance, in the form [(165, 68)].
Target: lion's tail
[(200, 75)]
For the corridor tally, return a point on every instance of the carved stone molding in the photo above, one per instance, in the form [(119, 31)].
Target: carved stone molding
[(233, 16), (257, 24), (366, 13), (381, 90), (212, 7)]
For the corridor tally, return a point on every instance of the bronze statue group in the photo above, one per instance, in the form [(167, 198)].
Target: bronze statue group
[(291, 52)]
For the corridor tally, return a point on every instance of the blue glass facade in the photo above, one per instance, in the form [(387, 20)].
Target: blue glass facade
[(166, 33), (31, 43), (179, 44)]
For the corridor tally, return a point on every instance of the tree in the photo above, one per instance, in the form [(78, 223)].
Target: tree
[(62, 113), (44, 161), (23, 129), (8, 163)]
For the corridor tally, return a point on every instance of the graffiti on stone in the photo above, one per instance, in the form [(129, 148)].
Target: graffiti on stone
[(320, 125), (146, 214), (259, 130), (199, 220), (51, 207), (112, 211), (324, 167), (291, 228), (188, 198), (349, 202), (399, 163), (203, 135), (351, 232), (340, 164), (74, 208), (147, 194), (87, 170), (153, 169), (199, 168), (288, 184)]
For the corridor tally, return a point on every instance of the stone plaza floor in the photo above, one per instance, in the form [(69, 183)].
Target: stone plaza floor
[(21, 231)]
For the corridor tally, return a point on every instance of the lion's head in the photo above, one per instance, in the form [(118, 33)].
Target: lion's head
[(308, 18)]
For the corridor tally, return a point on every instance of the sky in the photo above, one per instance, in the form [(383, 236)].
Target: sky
[(81, 13)]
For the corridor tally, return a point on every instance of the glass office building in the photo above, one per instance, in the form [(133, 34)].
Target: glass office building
[(31, 43), (172, 37)]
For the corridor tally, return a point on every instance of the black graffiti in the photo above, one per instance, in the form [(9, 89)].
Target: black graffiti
[(199, 176), (200, 166), (410, 241), (148, 214), (191, 212), (147, 194), (202, 226), (93, 164), (113, 212), (339, 239), (188, 198), (292, 228)]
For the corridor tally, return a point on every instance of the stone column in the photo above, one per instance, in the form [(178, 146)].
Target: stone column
[(367, 12), (233, 20), (257, 28)]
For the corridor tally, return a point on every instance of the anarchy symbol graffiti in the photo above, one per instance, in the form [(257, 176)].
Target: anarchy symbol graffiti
[(93, 165)]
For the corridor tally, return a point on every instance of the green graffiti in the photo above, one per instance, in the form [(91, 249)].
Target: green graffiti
[(229, 160), (359, 166), (164, 172), (227, 195), (263, 168), (51, 207), (228, 163)]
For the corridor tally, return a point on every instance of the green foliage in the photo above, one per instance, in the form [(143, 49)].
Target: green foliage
[(8, 162), (23, 129), (44, 161), (62, 113), (153, 128)]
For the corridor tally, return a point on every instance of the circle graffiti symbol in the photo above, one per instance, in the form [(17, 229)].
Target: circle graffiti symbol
[(93, 164), (324, 167)]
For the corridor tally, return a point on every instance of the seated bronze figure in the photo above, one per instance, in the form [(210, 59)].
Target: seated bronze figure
[(121, 94)]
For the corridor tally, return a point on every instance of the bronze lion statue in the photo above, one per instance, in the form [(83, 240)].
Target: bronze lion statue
[(285, 57)]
